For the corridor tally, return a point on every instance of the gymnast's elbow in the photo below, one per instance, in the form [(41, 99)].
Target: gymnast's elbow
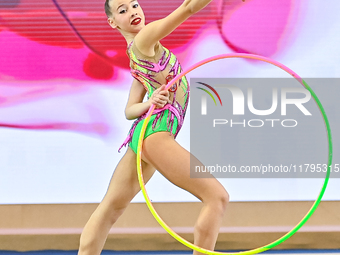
[(188, 7), (131, 114), (129, 117), (194, 6)]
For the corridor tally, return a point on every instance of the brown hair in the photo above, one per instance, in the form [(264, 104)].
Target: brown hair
[(108, 8)]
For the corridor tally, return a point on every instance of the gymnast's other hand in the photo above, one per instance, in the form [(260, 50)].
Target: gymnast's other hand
[(160, 97)]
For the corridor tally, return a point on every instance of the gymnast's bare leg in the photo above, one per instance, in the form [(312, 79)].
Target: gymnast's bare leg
[(173, 161), (122, 189)]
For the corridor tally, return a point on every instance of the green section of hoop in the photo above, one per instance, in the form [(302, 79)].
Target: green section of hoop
[(260, 249), (324, 186)]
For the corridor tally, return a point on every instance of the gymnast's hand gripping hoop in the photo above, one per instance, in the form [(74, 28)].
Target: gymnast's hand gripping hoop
[(311, 210)]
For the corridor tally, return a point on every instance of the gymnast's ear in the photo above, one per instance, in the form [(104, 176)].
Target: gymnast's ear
[(111, 22)]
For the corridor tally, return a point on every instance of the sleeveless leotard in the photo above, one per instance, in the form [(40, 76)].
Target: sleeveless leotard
[(152, 72)]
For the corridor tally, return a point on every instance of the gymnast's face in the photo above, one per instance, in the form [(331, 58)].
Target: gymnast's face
[(127, 15)]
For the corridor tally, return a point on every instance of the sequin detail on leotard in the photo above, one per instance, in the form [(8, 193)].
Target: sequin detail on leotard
[(145, 71)]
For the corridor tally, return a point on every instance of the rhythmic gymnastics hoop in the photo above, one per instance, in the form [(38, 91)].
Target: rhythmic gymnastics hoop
[(311, 210)]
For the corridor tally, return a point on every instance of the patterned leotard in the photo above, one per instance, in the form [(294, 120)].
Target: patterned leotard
[(152, 72)]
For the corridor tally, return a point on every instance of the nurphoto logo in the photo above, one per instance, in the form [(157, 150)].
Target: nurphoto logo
[(238, 104)]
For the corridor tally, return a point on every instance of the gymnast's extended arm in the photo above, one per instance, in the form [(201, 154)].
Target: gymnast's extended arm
[(146, 39)]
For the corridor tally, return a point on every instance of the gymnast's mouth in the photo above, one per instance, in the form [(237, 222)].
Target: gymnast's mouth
[(136, 21)]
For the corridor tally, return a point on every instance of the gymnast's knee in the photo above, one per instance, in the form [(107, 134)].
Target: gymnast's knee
[(220, 201), (223, 200)]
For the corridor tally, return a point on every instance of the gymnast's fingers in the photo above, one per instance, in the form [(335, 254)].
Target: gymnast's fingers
[(156, 100), (160, 89)]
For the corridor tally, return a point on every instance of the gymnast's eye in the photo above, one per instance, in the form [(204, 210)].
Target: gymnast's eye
[(135, 5), (122, 11)]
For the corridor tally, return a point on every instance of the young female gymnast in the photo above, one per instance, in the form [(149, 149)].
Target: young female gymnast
[(152, 66)]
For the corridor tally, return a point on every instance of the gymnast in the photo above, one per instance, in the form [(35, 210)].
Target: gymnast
[(153, 66)]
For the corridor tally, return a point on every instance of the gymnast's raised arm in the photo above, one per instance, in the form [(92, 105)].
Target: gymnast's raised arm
[(146, 39)]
